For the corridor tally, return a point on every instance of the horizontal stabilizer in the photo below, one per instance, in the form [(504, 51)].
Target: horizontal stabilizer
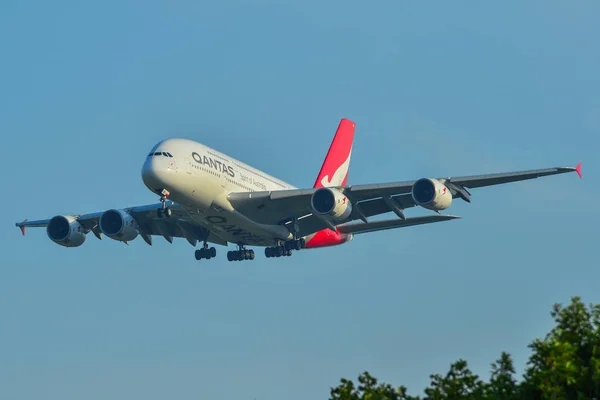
[(356, 228)]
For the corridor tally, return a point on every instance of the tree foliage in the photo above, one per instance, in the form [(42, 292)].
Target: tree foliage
[(564, 365)]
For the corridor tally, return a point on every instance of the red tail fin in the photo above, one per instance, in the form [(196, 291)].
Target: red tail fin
[(334, 171)]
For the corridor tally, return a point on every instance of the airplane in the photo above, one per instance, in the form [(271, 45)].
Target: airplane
[(209, 197)]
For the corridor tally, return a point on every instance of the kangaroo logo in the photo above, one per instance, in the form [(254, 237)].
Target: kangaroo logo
[(338, 175)]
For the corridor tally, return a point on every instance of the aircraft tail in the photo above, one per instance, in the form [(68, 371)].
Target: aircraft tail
[(334, 171)]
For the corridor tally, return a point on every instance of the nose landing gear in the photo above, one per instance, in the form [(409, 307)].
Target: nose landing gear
[(164, 211)]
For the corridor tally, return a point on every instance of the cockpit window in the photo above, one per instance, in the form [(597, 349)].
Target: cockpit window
[(161, 153)]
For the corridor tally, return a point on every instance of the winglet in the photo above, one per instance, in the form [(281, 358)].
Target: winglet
[(578, 170), (23, 228)]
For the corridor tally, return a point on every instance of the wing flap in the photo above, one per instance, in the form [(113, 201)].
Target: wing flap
[(357, 228)]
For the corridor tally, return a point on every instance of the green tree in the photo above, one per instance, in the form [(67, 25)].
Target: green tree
[(503, 384), (458, 384), (566, 363), (368, 389)]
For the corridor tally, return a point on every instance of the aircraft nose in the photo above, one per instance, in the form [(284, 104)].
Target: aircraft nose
[(147, 172), (155, 173)]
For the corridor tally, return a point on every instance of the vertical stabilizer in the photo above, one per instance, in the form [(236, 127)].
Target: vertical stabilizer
[(334, 171)]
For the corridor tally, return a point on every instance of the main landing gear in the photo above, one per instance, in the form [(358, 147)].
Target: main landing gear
[(285, 249), (205, 252), (240, 255), (164, 211)]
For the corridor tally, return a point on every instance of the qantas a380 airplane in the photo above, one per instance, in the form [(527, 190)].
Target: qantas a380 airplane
[(210, 197)]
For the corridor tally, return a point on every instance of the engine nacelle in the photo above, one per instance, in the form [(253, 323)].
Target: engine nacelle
[(431, 194), (118, 225), (66, 231), (330, 203)]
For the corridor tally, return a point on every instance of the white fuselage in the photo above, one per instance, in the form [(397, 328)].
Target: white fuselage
[(200, 178)]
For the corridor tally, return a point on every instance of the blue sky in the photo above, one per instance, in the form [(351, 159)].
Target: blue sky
[(437, 90)]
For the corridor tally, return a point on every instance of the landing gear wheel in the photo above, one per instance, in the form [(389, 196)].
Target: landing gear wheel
[(206, 253), (285, 249), (240, 255)]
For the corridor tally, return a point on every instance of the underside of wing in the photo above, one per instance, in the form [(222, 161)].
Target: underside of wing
[(280, 207), (179, 225)]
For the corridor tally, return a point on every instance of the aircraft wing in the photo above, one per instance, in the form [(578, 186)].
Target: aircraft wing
[(180, 224), (283, 206)]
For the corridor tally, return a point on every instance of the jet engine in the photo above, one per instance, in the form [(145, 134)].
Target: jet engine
[(431, 194), (118, 225), (66, 231), (331, 203)]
